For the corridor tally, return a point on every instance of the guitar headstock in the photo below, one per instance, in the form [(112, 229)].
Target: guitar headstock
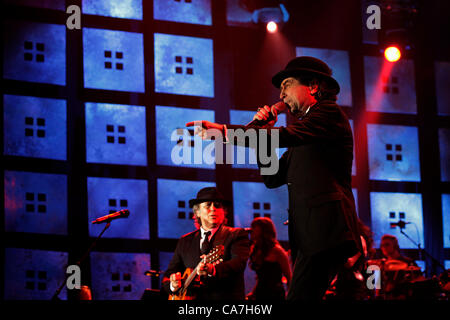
[(215, 255)]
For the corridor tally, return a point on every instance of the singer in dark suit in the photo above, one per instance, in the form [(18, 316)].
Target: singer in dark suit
[(222, 281), (323, 229)]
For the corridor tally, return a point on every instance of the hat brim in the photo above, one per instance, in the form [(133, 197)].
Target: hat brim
[(197, 201), (280, 76)]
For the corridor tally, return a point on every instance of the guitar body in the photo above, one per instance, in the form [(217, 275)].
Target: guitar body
[(215, 257), (182, 293)]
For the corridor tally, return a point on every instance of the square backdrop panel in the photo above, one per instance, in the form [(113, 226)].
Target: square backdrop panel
[(113, 60), (34, 52), (442, 81), (35, 202), (444, 153), (35, 127), (119, 276), (175, 217), (116, 134), (176, 144), (48, 4), (387, 208), (390, 86), (185, 11), (34, 274), (129, 9), (446, 219), (106, 195), (184, 65), (355, 196), (253, 199), (339, 63), (238, 15), (354, 155), (393, 152)]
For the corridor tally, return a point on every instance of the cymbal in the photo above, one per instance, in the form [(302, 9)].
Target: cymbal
[(413, 268), (377, 262), (395, 265)]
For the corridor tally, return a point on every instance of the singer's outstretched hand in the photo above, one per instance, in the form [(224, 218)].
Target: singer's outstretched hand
[(206, 129), (265, 113)]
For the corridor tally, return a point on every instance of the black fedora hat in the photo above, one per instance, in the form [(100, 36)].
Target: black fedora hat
[(209, 194), (303, 66)]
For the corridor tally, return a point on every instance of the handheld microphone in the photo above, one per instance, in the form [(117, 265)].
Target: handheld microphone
[(277, 108), (115, 215), (401, 224)]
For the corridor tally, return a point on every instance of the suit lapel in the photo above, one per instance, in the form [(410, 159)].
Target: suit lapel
[(196, 247), (220, 236)]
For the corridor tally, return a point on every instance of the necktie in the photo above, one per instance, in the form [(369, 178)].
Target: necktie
[(205, 244)]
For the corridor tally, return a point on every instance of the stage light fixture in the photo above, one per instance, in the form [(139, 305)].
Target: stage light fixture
[(392, 53), (272, 26), (266, 12)]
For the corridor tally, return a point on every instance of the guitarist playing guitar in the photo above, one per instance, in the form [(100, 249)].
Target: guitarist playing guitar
[(220, 270)]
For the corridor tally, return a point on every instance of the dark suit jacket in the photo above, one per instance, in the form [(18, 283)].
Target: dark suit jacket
[(317, 170), (228, 283)]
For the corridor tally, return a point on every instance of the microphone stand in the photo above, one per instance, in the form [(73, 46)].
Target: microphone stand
[(78, 263), (421, 250)]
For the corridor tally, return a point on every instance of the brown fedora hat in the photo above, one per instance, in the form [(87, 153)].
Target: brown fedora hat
[(209, 194), (303, 66)]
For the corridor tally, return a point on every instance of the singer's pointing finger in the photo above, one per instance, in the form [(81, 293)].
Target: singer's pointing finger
[(192, 123)]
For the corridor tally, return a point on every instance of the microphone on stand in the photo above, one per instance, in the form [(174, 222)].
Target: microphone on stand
[(115, 215), (277, 108), (401, 224)]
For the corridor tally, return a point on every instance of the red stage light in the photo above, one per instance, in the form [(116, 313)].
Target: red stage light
[(272, 27), (392, 54)]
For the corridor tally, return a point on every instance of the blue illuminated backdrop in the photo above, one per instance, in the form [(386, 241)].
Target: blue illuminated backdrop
[(177, 145), (34, 126), (442, 70), (35, 202), (389, 208), (51, 108), (390, 87), (35, 52), (184, 65), (34, 274), (116, 134), (113, 60), (119, 276), (129, 9), (444, 150), (253, 199), (393, 152), (446, 219), (107, 195), (196, 12)]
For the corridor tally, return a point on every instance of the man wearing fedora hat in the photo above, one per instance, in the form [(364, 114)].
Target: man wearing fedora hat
[(323, 230), (220, 281)]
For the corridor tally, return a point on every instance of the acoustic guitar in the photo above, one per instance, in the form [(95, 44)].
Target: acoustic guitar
[(215, 256)]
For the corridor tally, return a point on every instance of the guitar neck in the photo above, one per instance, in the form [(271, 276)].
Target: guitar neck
[(191, 277)]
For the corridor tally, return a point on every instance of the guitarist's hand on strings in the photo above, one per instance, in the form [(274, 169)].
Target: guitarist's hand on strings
[(206, 269), (175, 281)]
